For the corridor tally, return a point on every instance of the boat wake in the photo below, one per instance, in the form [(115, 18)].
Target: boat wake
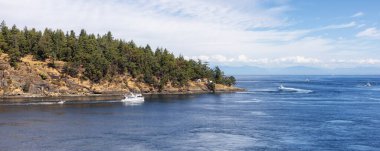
[(253, 91), (281, 88), (31, 103)]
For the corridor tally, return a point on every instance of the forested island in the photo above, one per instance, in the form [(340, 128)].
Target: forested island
[(56, 63)]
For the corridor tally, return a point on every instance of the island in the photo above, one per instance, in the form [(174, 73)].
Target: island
[(54, 63)]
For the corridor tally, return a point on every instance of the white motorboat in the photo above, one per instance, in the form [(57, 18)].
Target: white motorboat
[(61, 102), (133, 98)]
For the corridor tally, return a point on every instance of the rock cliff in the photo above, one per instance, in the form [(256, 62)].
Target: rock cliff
[(33, 78)]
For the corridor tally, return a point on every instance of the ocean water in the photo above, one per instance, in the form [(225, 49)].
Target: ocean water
[(310, 113)]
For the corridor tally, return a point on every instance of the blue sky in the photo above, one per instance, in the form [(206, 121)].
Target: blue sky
[(263, 33)]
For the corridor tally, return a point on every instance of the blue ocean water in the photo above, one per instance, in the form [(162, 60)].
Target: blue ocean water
[(311, 113)]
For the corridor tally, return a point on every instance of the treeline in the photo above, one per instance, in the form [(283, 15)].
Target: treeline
[(98, 57)]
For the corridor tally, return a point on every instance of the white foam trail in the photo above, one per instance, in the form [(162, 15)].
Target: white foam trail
[(377, 99), (340, 121), (42, 103), (33, 103), (60, 103), (247, 92), (266, 90), (296, 90)]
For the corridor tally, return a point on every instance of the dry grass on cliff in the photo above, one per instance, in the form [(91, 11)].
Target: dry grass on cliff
[(38, 73)]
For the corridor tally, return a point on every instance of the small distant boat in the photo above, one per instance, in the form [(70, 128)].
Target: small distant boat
[(307, 80), (61, 102), (368, 84), (281, 87), (133, 98)]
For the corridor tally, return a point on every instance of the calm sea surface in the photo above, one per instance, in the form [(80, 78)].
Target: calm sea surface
[(310, 113)]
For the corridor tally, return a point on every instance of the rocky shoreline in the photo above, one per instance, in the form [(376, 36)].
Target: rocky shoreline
[(35, 80), (21, 99)]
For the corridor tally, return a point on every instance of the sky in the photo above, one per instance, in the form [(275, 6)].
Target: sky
[(258, 33)]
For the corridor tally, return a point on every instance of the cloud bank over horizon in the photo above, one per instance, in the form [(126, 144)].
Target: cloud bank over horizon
[(245, 33)]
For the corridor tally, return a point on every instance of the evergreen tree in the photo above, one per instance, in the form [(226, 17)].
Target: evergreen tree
[(14, 56), (71, 46), (14, 37), (25, 45), (5, 34), (218, 75), (45, 45), (3, 44), (59, 45), (32, 39)]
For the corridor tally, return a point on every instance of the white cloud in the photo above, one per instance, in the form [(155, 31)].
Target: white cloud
[(213, 30), (186, 27), (297, 60), (244, 60), (358, 14), (368, 61), (219, 12), (339, 26), (369, 33), (361, 25)]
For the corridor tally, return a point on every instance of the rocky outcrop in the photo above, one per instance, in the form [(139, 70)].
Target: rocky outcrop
[(33, 78)]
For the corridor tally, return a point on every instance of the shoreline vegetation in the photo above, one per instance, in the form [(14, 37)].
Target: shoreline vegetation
[(53, 64)]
